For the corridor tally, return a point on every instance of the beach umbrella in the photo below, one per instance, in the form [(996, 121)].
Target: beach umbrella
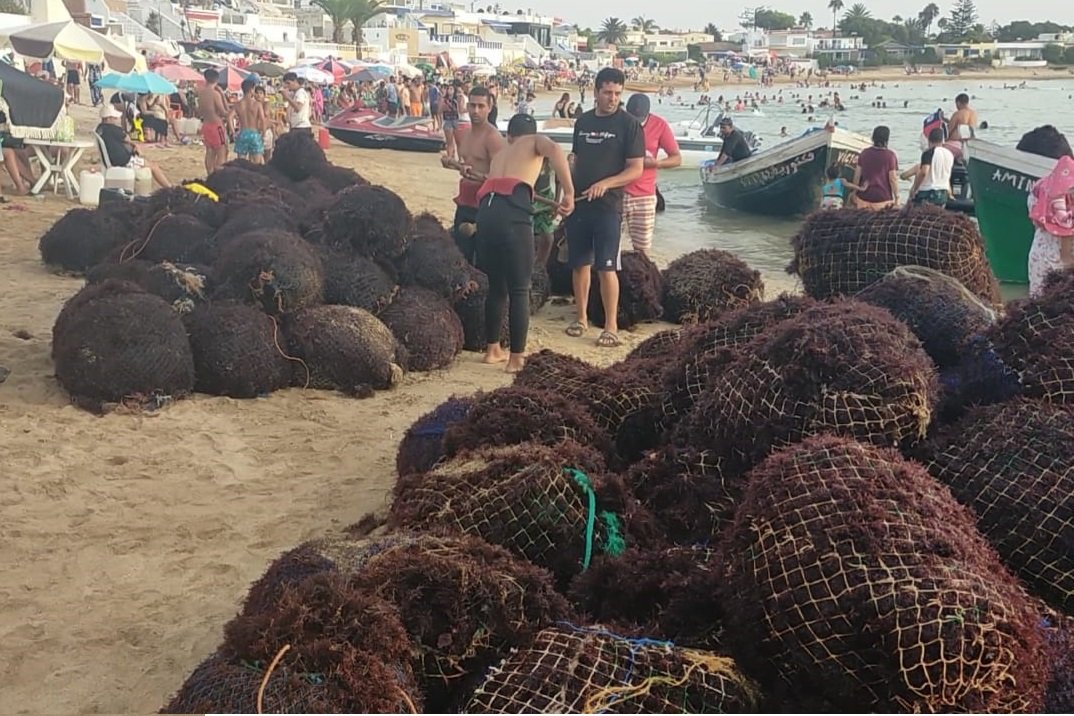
[(408, 70), (367, 74), (179, 73), (140, 83), (224, 46), (337, 69), (483, 71), (266, 69), (312, 74), (68, 40), (33, 106), (231, 78)]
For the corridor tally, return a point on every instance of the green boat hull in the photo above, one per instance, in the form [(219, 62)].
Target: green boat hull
[(1001, 180)]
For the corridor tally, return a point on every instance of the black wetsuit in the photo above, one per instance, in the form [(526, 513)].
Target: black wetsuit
[(505, 252)]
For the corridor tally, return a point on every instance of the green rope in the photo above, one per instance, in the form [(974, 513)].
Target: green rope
[(615, 544)]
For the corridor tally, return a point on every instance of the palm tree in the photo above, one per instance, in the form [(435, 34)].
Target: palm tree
[(612, 31), (928, 16), (835, 6), (857, 11), (711, 29), (338, 11), (806, 20), (643, 24), (361, 12)]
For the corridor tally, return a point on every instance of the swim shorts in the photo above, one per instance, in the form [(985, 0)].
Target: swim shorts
[(250, 143), (212, 133)]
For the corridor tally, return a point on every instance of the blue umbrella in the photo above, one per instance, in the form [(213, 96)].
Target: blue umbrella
[(140, 83), (222, 46)]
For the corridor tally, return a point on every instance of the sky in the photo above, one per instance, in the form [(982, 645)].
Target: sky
[(695, 14)]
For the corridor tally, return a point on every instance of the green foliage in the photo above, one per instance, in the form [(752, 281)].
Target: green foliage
[(962, 21), (805, 20), (711, 29), (928, 15), (612, 31), (152, 23), (1068, 55), (1053, 54), (1023, 30), (766, 19), (644, 24), (359, 13), (693, 52)]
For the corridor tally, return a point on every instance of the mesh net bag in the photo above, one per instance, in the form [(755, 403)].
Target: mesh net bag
[(641, 290), (846, 367), (685, 490), (515, 415), (663, 345), (297, 155), (464, 603), (551, 505), (125, 348), (1013, 465), (343, 348), (470, 308), (238, 351), (857, 582), (179, 238), (981, 377), (589, 670), (1058, 632), (233, 179), (540, 289), (324, 645), (254, 217), (371, 220), (842, 252), (356, 281), (556, 373), (423, 445), (335, 178), (666, 593), (939, 310), (426, 326), (179, 200), (184, 286), (703, 284), (560, 279), (275, 269), (433, 261), (1036, 339), (79, 240)]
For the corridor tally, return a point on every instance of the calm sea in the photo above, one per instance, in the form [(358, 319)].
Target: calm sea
[(691, 223)]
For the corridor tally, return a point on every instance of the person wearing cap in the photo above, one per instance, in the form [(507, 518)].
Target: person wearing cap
[(735, 147), (639, 200), (121, 153), (505, 241), (608, 154)]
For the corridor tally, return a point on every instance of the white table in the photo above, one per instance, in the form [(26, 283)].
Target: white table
[(58, 160)]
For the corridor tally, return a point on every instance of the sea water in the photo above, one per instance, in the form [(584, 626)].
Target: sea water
[(690, 222)]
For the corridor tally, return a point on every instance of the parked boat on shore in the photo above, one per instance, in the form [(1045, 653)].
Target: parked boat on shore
[(367, 128)]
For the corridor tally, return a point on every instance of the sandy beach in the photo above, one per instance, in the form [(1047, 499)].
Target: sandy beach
[(128, 540)]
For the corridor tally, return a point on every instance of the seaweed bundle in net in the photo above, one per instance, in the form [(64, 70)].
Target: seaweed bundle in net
[(356, 281), (685, 490), (641, 291), (842, 252), (184, 286), (370, 220), (540, 289), (560, 280), (426, 326), (846, 367), (336, 178), (423, 445), (275, 269), (515, 415), (343, 348), (122, 348), (552, 505), (702, 284), (231, 180), (297, 155), (465, 604), (1058, 632), (325, 646), (1036, 340), (666, 593), (433, 261), (1013, 465), (180, 200), (556, 373), (857, 582), (238, 351), (180, 238), (253, 217), (623, 402), (77, 241), (589, 670), (470, 308), (937, 308), (107, 286)]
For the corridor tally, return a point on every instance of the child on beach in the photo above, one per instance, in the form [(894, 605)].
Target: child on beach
[(833, 191)]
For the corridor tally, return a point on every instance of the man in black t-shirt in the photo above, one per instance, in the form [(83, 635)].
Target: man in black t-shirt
[(121, 153), (735, 147), (608, 154)]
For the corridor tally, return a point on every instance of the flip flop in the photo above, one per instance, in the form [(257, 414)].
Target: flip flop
[(577, 329), (607, 339)]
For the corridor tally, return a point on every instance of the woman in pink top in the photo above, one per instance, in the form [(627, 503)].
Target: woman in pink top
[(878, 172)]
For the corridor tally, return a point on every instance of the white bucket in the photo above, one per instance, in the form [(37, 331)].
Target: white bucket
[(90, 184), (143, 182), (119, 178), (189, 126)]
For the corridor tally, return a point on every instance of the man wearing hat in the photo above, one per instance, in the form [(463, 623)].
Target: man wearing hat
[(118, 147), (735, 147), (639, 197)]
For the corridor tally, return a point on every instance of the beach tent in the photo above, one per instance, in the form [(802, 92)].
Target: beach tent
[(33, 107)]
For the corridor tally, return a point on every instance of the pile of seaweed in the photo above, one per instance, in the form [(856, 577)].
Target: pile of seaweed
[(296, 273)]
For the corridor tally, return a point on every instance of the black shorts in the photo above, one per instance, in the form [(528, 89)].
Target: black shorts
[(9, 142), (593, 236), (73, 78), (158, 125)]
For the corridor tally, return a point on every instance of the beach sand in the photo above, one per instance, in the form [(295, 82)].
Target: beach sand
[(129, 540)]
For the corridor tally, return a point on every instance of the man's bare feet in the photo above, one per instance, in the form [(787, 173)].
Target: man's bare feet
[(495, 354), (515, 363)]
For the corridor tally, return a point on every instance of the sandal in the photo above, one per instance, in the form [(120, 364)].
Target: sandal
[(608, 339), (577, 329)]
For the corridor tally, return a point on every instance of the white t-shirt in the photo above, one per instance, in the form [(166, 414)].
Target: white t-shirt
[(940, 167), (300, 118)]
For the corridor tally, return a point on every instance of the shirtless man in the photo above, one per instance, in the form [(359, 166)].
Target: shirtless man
[(250, 143), (964, 116), (476, 149), (213, 110), (505, 231)]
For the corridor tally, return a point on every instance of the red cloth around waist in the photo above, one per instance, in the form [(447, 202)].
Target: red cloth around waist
[(504, 186), (468, 193)]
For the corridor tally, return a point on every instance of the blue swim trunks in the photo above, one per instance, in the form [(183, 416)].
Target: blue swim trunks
[(249, 143)]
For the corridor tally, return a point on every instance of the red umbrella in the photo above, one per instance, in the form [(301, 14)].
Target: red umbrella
[(335, 68), (231, 78), (179, 73)]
